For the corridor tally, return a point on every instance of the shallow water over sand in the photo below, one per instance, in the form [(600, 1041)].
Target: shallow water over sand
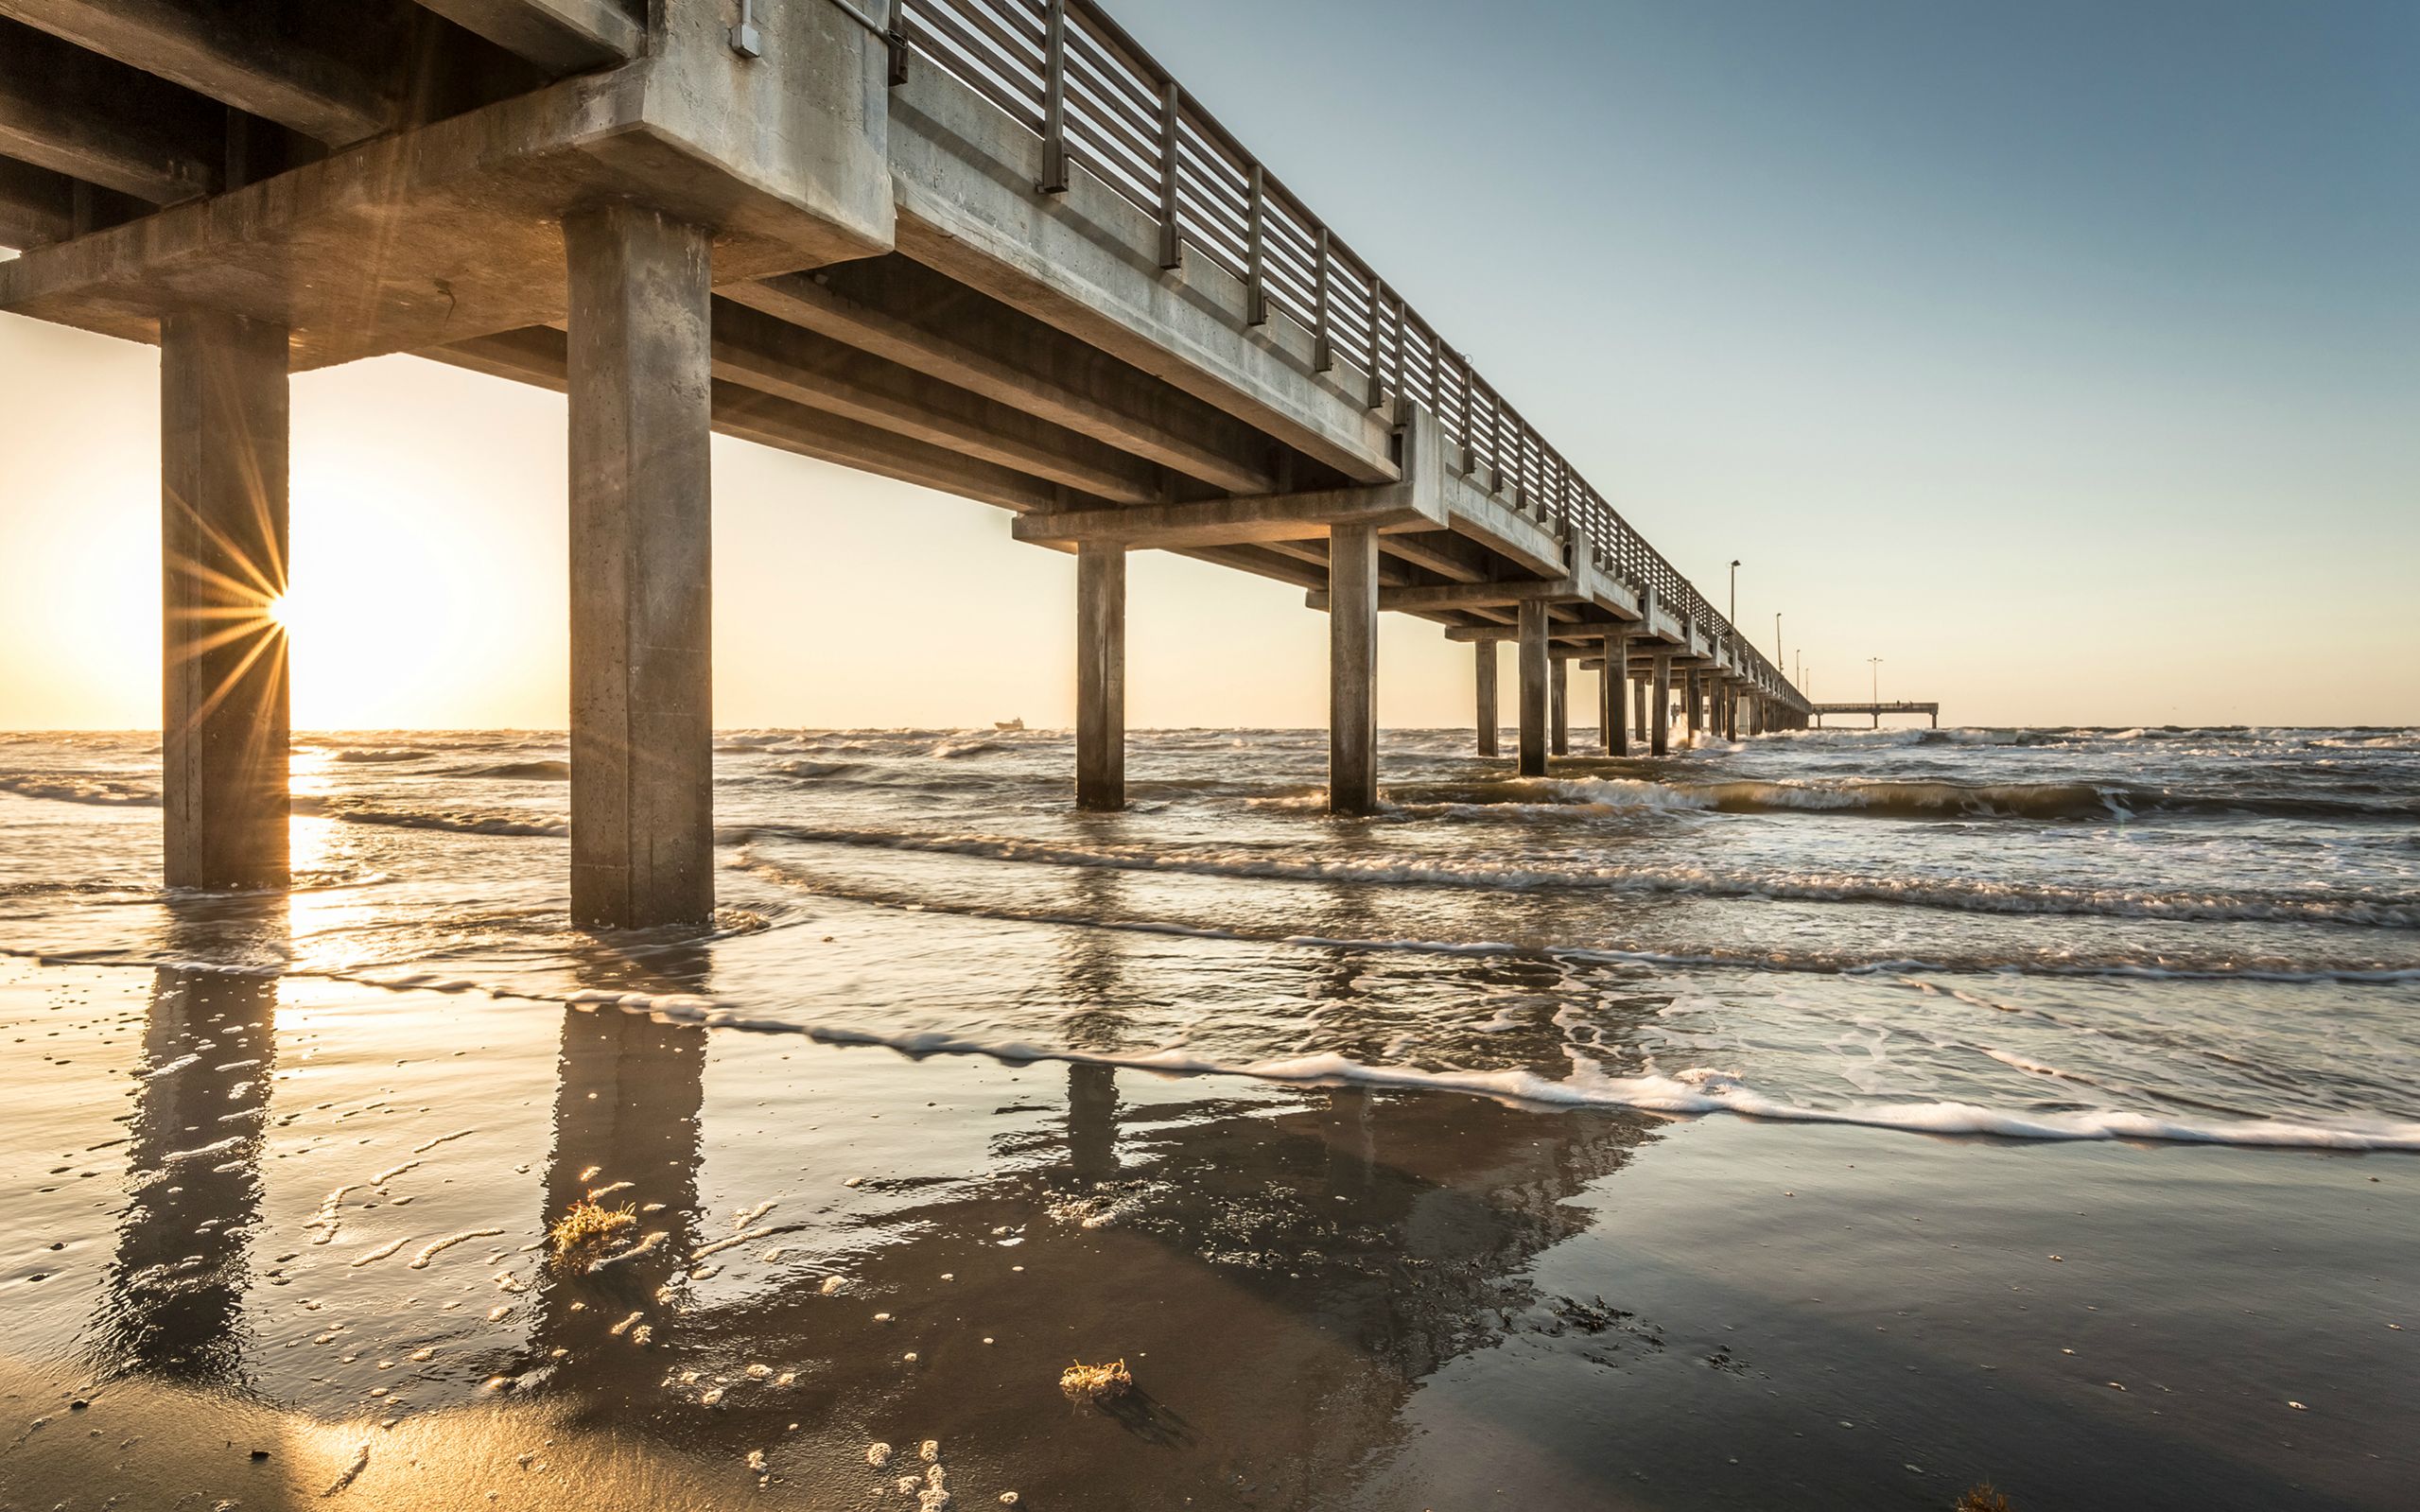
[(1374, 1148), (2193, 935)]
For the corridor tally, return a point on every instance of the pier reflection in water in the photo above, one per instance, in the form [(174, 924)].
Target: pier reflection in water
[(174, 1298)]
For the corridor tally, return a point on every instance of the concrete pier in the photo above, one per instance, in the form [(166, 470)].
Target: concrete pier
[(1661, 702), (1101, 675), (225, 723), (1490, 711), (642, 675), (866, 246), (1531, 628), (1559, 709), (1352, 669)]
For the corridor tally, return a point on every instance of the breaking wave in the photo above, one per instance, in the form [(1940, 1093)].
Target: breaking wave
[(107, 792), (1952, 893)]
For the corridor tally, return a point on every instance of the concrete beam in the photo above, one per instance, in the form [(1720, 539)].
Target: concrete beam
[(896, 310), (1468, 595), (225, 725), (1100, 676), (74, 113), (560, 35), (37, 206), (773, 356), (244, 55), (1412, 502), (535, 356), (1352, 670), (642, 670)]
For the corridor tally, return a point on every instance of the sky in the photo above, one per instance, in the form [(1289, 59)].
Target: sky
[(2065, 357)]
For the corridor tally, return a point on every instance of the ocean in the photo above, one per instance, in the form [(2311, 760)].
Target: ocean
[(1750, 1127)]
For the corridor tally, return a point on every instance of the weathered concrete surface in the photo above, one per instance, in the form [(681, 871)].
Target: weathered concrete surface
[(452, 231), (1352, 669), (1534, 678), (225, 721), (560, 35), (642, 677), (1100, 675), (156, 142)]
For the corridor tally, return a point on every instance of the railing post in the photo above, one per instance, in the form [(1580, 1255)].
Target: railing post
[(1171, 250), (1054, 99), (1377, 321), (1256, 288), (897, 39), (1323, 355), (1470, 433)]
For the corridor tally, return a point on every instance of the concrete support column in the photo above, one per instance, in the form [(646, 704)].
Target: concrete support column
[(1662, 698), (1352, 669), (1100, 675), (1639, 705), (1615, 714), (1489, 713), (1531, 630), (1560, 708), (642, 672), (224, 719)]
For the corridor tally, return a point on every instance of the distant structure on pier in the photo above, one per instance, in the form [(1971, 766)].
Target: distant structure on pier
[(1930, 711)]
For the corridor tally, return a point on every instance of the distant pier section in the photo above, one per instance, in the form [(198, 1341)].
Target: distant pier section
[(1932, 712)]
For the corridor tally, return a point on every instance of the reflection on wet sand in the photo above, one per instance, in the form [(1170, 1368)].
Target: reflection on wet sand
[(174, 1301), (1334, 1246)]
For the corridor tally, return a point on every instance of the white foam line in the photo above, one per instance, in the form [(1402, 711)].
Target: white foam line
[(1695, 1091)]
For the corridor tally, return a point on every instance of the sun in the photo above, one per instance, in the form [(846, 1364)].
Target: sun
[(280, 612)]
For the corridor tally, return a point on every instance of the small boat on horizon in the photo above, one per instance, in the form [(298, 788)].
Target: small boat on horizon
[(1008, 724)]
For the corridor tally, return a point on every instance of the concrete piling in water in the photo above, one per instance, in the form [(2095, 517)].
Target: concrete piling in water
[(1352, 669), (1559, 709), (1661, 703), (1489, 713), (225, 721), (642, 698), (1100, 675), (1615, 714), (1531, 630)]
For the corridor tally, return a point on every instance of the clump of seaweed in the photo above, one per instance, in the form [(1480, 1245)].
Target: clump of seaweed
[(1982, 1498), (1083, 1383), (586, 1232)]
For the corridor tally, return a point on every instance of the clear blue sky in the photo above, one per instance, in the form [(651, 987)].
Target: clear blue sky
[(2065, 356)]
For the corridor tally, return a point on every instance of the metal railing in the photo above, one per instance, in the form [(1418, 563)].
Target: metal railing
[(1073, 76)]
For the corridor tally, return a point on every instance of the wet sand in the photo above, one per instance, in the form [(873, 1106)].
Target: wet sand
[(258, 1225)]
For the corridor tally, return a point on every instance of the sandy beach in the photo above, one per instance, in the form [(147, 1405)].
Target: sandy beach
[(282, 1243)]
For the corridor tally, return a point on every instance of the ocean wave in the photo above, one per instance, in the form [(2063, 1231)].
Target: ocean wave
[(1966, 895), (108, 792), (814, 769), (1812, 962), (455, 821), (545, 769), (377, 755), (1922, 799), (952, 749)]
